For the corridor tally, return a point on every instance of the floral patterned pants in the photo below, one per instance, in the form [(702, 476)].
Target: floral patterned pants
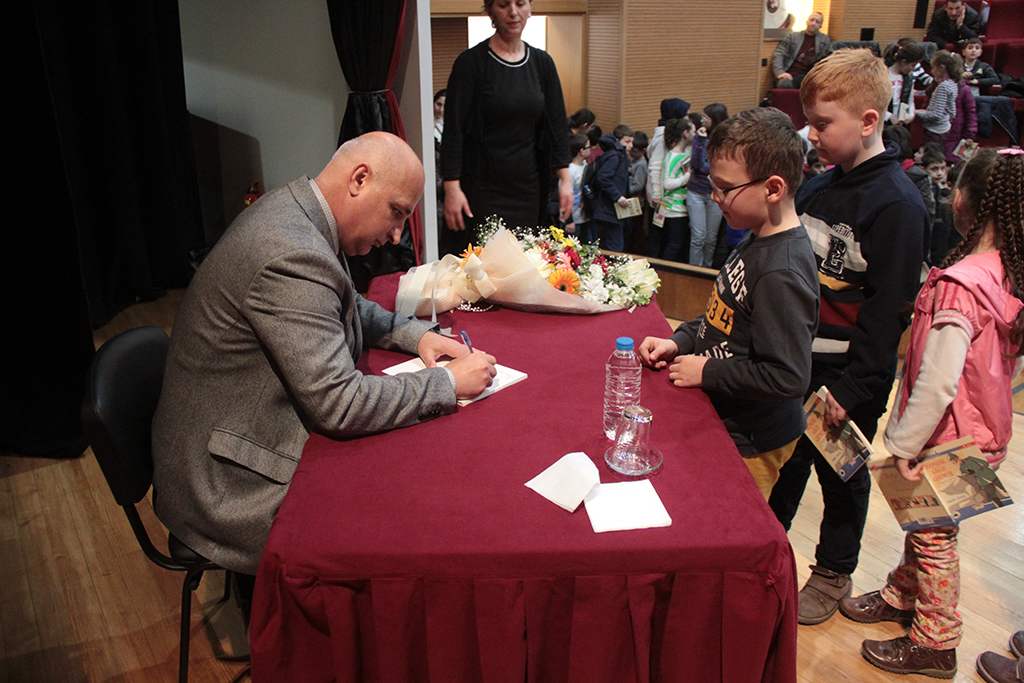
[(927, 581)]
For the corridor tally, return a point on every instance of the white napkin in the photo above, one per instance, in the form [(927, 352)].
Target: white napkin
[(568, 481), (626, 505)]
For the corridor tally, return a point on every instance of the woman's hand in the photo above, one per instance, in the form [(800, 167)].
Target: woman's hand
[(623, 202), (455, 205), (565, 197)]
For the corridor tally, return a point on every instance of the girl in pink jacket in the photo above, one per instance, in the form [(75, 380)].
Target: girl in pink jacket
[(964, 352)]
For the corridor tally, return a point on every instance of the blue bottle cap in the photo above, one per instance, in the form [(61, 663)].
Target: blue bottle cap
[(624, 344)]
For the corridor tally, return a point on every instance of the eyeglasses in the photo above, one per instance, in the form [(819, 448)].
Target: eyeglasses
[(724, 191)]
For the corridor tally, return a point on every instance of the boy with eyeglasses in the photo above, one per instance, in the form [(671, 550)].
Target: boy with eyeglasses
[(751, 350)]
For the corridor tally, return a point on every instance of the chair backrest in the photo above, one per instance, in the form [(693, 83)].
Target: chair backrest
[(856, 45), (123, 388)]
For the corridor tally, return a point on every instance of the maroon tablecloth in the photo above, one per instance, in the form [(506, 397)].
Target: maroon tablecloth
[(419, 555)]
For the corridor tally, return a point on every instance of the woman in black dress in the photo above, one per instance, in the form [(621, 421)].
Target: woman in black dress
[(504, 132)]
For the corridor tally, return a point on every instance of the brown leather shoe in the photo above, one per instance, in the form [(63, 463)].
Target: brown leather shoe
[(998, 669), (1017, 644), (904, 656), (820, 596), (871, 608)]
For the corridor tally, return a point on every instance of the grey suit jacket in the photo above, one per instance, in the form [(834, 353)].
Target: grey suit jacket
[(262, 353), (788, 48)]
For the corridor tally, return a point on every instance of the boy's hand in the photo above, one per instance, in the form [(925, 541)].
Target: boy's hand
[(687, 371), (656, 352), (835, 414), (910, 469), (623, 202)]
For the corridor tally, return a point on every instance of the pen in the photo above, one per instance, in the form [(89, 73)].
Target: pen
[(465, 340)]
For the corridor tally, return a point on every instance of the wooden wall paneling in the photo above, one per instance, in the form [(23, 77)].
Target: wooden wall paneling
[(566, 45), (825, 7), (449, 36), (665, 57), (605, 62), (891, 19)]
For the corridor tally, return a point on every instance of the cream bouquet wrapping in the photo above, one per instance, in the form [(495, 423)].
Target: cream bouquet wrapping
[(541, 270)]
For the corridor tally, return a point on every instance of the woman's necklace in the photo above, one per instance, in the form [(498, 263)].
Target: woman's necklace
[(510, 52)]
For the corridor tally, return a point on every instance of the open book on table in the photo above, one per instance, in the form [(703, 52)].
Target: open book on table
[(956, 483), (505, 377), (844, 447)]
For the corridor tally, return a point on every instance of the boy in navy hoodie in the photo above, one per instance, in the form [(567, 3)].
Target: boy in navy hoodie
[(866, 221), (612, 178)]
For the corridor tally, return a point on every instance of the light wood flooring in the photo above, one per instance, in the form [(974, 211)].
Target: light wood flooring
[(79, 602)]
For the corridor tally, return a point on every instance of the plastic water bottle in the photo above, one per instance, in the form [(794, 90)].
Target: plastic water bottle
[(621, 383)]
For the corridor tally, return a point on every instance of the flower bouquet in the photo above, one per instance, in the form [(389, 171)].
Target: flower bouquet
[(541, 270)]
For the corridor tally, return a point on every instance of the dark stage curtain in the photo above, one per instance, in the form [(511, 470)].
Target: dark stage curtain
[(368, 39), (105, 204)]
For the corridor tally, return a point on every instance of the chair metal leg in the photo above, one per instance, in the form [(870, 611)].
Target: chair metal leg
[(192, 578), (227, 586)]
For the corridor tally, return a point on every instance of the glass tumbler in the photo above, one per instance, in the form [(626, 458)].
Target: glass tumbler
[(631, 453)]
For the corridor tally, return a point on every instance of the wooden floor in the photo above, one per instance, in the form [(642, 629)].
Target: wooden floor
[(79, 601)]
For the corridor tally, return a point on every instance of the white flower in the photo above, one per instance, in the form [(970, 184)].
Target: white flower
[(539, 262)]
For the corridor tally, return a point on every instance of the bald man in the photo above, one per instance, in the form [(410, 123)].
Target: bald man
[(265, 344), (799, 51)]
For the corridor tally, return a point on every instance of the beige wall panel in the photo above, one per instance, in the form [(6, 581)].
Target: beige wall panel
[(665, 57), (448, 38), (605, 62), (565, 45), (891, 19)]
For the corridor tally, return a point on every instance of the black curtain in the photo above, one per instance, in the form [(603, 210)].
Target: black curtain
[(102, 197), (368, 38)]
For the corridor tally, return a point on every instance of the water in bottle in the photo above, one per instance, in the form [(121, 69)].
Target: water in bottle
[(621, 383)]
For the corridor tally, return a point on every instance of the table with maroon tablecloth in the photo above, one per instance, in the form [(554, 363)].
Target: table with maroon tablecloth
[(419, 554)]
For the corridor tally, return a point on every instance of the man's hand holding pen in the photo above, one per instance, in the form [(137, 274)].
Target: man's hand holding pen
[(473, 369)]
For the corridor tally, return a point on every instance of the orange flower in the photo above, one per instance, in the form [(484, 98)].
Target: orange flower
[(565, 280), (470, 250)]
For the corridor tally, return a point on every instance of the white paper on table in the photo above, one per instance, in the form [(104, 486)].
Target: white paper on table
[(626, 505), (568, 481), (505, 376)]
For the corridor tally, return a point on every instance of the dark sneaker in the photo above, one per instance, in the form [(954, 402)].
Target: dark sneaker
[(820, 596), (904, 656), (998, 669), (871, 608), (1017, 644)]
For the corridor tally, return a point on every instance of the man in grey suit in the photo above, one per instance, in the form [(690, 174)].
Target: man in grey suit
[(798, 52), (264, 348)]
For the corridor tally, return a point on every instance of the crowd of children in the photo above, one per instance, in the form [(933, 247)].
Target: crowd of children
[(668, 170)]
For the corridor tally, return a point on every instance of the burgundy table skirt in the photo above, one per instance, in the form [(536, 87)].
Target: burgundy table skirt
[(419, 554)]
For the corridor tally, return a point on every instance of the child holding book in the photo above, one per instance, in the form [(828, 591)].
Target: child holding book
[(964, 352), (751, 350)]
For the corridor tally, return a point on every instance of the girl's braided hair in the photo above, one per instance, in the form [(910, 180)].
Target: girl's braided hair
[(991, 189)]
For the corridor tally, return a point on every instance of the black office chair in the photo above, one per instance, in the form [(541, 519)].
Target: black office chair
[(123, 388)]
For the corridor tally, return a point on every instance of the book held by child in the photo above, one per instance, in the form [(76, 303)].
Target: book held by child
[(956, 483), (844, 447)]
